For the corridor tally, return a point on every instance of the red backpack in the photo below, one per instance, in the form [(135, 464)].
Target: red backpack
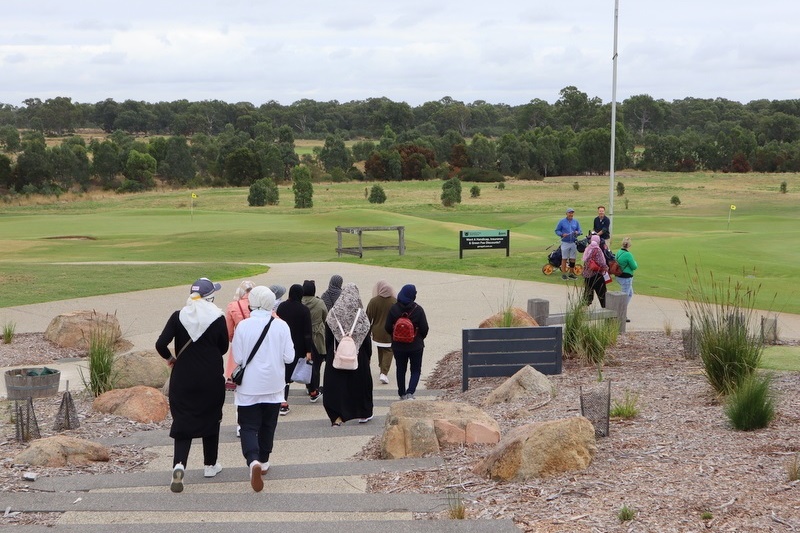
[(404, 330)]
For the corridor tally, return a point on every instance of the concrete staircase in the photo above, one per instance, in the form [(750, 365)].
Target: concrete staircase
[(312, 485)]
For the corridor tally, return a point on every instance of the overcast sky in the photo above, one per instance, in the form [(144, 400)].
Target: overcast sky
[(500, 51)]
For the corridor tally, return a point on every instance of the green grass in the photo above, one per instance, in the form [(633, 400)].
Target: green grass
[(219, 228), (781, 358)]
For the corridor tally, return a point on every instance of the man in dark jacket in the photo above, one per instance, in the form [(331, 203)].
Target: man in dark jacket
[(408, 352)]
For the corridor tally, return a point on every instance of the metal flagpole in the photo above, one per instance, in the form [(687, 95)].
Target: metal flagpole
[(613, 123)]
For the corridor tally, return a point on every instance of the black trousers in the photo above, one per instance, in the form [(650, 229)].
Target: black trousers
[(595, 285), (258, 423), (181, 448)]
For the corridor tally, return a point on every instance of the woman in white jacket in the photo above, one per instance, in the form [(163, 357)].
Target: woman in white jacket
[(259, 397)]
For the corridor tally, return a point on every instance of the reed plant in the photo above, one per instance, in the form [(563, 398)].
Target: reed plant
[(752, 405), (626, 513), (585, 338), (628, 407), (722, 313), (9, 328), (102, 373), (793, 468)]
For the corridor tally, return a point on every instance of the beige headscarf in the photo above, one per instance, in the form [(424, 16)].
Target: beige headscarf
[(383, 289)]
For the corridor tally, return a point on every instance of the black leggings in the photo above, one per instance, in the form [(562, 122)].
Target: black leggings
[(181, 449)]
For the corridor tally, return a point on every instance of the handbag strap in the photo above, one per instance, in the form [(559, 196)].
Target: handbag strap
[(258, 342), (183, 348)]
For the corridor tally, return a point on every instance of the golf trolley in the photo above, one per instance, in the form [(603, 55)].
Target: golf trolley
[(554, 258)]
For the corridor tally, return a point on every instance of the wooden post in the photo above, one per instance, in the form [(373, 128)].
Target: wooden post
[(401, 236), (618, 302)]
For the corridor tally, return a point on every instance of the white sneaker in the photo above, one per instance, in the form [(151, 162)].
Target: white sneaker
[(212, 470), (238, 432), (264, 468), (365, 420), (177, 478), (384, 379), (255, 476)]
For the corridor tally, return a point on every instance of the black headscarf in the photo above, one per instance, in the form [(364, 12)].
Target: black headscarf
[(334, 290)]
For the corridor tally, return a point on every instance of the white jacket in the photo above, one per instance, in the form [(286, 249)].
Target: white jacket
[(266, 373)]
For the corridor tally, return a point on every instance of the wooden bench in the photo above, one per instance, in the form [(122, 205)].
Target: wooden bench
[(502, 352), (359, 230)]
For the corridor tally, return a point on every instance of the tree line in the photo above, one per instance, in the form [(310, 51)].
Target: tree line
[(217, 143)]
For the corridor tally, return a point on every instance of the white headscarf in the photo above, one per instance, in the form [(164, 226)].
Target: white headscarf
[(198, 314)]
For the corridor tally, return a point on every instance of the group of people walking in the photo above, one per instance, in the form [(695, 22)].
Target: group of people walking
[(266, 338)]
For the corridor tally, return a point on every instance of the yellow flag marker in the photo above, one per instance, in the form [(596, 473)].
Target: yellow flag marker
[(195, 196), (733, 207)]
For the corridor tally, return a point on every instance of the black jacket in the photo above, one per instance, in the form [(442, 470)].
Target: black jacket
[(417, 316)]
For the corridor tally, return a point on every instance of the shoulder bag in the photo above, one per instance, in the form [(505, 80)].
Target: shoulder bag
[(238, 373)]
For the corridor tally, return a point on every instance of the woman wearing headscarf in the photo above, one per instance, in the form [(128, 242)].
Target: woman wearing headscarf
[(236, 311), (377, 310), (329, 298), (259, 397), (593, 281), (410, 353), (319, 312), (278, 291), (298, 317), (196, 384), (348, 393), (628, 264)]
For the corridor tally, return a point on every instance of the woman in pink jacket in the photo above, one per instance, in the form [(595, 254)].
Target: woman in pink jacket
[(237, 310)]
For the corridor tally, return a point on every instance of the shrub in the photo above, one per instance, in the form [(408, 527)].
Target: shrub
[(783, 187), (626, 202), (620, 189), (576, 186), (451, 192), (102, 374), (752, 405), (584, 338), (338, 175), (263, 192), (9, 328), (626, 513), (501, 186), (675, 201), (722, 315), (529, 174), (377, 195), (475, 191), (627, 407)]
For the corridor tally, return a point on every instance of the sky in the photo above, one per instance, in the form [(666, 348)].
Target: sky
[(414, 51)]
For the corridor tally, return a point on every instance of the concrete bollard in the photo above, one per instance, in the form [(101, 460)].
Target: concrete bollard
[(769, 329), (539, 310), (618, 302)]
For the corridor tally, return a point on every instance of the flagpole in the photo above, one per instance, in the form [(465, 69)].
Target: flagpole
[(191, 208), (613, 123), (730, 210)]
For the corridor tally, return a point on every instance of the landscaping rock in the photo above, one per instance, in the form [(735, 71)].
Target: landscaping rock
[(62, 450), (139, 403), (519, 318), (541, 449), (74, 329), (141, 368), (527, 382), (415, 428)]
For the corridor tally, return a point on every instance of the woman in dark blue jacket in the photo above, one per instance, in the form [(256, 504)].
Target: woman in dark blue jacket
[(408, 352)]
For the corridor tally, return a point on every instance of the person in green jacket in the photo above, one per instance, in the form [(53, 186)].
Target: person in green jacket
[(628, 264)]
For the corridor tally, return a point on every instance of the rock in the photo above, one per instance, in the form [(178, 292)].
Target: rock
[(526, 383), (139, 403), (61, 450), (415, 428), (75, 329), (541, 449), (141, 368), (519, 318)]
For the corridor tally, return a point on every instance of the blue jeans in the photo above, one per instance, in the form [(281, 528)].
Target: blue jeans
[(258, 423), (402, 359), (626, 284)]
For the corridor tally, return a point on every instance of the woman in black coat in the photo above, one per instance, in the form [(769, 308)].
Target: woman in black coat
[(297, 315), (197, 381), (411, 352)]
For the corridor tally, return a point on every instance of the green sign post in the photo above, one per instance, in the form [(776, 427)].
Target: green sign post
[(491, 239)]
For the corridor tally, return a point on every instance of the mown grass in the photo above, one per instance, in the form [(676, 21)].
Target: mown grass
[(781, 358), (218, 227)]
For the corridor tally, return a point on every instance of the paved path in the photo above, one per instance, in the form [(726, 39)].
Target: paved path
[(313, 484)]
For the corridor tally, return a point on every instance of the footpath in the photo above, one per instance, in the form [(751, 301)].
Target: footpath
[(313, 483)]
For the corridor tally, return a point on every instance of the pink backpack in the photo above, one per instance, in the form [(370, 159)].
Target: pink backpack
[(346, 355)]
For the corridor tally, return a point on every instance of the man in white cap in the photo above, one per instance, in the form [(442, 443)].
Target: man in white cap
[(568, 230)]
